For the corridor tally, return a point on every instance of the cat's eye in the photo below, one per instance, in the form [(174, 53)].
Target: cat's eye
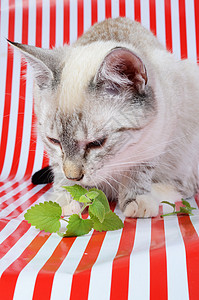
[(54, 141), (96, 144)]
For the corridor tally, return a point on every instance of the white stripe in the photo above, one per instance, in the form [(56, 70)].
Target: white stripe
[(26, 127), (145, 13), (28, 275), (175, 28), (63, 277), (130, 9), (14, 191), (87, 14), (59, 23), (190, 25), (176, 260), (195, 218), (17, 249), (3, 56), (115, 8), (101, 273), (160, 21), (13, 206), (45, 24), (6, 185), (14, 95), (28, 97), (39, 152), (139, 273), (73, 21), (101, 10), (14, 223)]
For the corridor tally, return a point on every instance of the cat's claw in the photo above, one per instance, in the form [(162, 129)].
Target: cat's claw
[(144, 207)]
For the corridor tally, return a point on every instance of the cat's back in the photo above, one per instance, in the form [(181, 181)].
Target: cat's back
[(121, 30)]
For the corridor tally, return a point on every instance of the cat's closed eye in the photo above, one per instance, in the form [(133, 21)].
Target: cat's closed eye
[(96, 144), (54, 141)]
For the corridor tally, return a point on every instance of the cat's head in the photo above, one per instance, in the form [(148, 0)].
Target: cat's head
[(93, 105)]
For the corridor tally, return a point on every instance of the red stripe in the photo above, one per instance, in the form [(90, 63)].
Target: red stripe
[(191, 242), (46, 275), (20, 123), (120, 270), (94, 17), (137, 10), (168, 28), (158, 262), (152, 11), (12, 239), (81, 277), (9, 189), (122, 7), (66, 21), (108, 10), (197, 199), (24, 206), (183, 31), (196, 9), (7, 102), (52, 22), (80, 17), (15, 197), (9, 277), (22, 94), (38, 23)]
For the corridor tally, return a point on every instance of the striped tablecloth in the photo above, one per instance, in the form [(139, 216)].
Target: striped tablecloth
[(150, 258)]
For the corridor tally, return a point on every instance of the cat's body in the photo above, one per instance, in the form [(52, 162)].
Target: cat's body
[(117, 111)]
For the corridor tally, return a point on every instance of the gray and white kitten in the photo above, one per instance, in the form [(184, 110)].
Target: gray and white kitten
[(117, 111)]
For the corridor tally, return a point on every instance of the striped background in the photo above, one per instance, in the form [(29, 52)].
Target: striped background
[(148, 259)]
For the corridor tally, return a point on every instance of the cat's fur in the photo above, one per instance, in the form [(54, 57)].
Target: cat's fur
[(119, 86)]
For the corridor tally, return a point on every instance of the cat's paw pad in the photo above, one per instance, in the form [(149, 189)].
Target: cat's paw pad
[(147, 206), (73, 207)]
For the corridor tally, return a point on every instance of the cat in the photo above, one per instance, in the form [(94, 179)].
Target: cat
[(117, 111)]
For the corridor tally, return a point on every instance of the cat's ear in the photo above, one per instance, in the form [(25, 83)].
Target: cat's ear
[(44, 63), (122, 69)]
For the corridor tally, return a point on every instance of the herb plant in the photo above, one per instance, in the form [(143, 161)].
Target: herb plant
[(186, 209), (46, 216)]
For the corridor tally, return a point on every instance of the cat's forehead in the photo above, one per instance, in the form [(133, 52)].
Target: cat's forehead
[(80, 67)]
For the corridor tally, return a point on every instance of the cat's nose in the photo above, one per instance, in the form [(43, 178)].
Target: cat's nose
[(76, 178), (73, 170)]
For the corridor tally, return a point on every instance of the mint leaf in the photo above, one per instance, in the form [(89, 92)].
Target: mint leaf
[(97, 209), (186, 203), (92, 195), (187, 209), (45, 216), (78, 226), (111, 222), (76, 191), (102, 198), (84, 199)]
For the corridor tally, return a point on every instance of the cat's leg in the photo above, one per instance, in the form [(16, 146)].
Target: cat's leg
[(135, 197)]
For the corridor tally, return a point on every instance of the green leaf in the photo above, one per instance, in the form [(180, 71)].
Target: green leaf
[(184, 210), (97, 209), (92, 195), (102, 198), (84, 199), (45, 216), (169, 203), (111, 222), (78, 226), (76, 191), (186, 203)]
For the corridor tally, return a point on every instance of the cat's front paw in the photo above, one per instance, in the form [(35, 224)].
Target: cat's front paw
[(144, 206)]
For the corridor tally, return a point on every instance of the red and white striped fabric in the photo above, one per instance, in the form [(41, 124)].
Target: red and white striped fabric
[(149, 259)]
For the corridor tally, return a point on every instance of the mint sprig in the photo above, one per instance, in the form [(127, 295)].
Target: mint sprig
[(184, 210), (46, 216)]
